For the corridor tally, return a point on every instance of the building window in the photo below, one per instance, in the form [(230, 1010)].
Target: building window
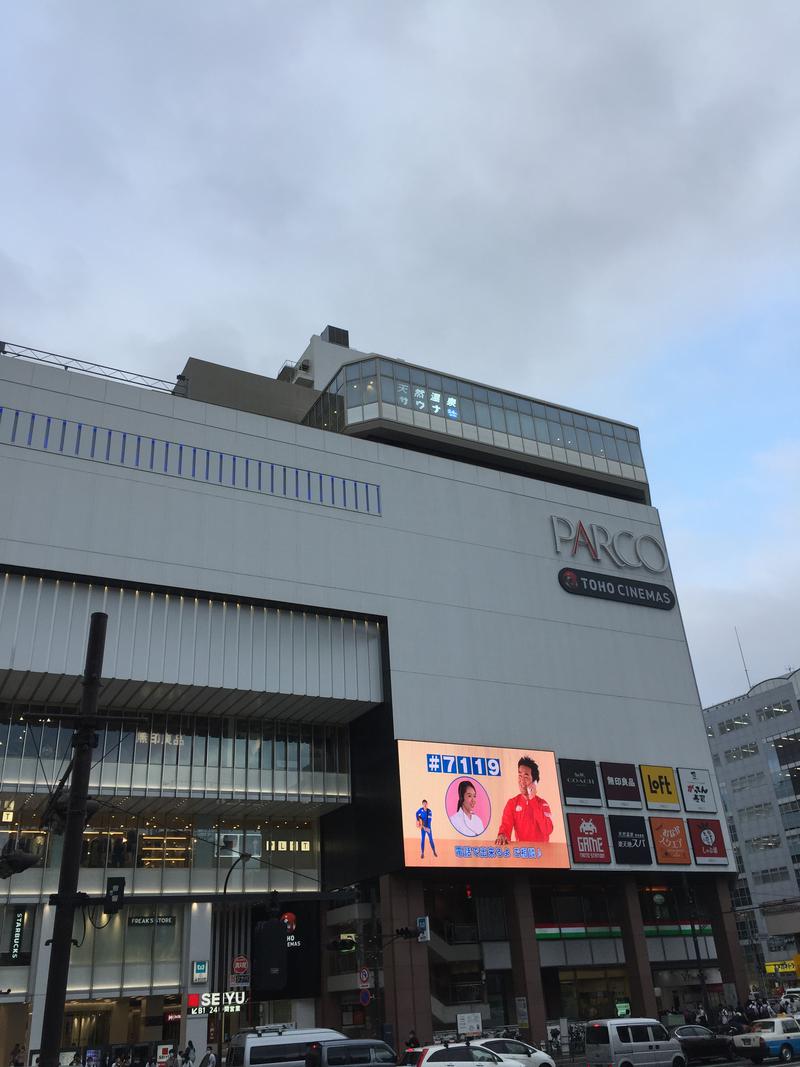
[(763, 842), (732, 755), (740, 896), (755, 811), (772, 711), (738, 722), (746, 781), (771, 875)]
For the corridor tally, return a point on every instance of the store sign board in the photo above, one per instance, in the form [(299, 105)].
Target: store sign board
[(475, 806), (151, 920), (629, 838), (669, 840), (17, 930), (580, 782), (660, 788), (708, 844), (621, 785), (589, 838), (621, 590), (622, 548), (696, 789), (210, 1003), (199, 972)]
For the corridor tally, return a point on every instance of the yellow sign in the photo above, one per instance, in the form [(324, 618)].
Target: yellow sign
[(660, 788), (781, 967)]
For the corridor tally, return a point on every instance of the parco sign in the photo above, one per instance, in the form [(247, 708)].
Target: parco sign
[(623, 548)]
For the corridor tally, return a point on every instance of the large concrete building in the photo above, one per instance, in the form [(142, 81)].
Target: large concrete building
[(348, 606), (755, 743)]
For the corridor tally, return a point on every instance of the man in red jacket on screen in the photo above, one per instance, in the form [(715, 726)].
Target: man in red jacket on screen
[(527, 814)]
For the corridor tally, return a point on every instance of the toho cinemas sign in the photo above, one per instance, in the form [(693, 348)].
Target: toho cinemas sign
[(622, 548)]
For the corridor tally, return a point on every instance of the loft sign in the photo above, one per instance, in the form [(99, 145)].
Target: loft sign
[(623, 548)]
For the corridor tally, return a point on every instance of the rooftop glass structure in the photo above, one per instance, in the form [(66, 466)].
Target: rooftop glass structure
[(391, 399)]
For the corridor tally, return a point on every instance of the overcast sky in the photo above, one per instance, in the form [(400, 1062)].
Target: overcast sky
[(592, 203)]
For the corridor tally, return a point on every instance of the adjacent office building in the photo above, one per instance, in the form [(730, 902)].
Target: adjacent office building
[(375, 630), (755, 741)]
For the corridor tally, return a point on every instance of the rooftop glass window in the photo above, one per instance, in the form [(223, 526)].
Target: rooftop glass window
[(379, 388)]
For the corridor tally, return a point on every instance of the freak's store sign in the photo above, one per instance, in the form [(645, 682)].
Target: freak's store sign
[(708, 844), (589, 838), (620, 785), (696, 789), (621, 590), (629, 838), (623, 548), (210, 1003), (669, 840), (580, 782)]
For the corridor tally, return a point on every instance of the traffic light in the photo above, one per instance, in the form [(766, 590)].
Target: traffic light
[(269, 952), (468, 889), (15, 861), (345, 943), (55, 815), (115, 896)]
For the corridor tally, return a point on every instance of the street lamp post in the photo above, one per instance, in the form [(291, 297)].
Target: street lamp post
[(221, 948)]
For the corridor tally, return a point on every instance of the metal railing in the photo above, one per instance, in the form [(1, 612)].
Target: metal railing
[(99, 370)]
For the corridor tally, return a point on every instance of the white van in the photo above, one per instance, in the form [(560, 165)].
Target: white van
[(275, 1046), (632, 1043)]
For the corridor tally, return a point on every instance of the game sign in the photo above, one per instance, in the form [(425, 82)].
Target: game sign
[(474, 806)]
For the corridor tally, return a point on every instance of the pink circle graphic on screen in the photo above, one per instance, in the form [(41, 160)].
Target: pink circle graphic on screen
[(475, 814)]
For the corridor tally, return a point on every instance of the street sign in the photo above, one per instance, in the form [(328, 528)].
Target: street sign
[(363, 976), (469, 1024), (240, 965), (239, 981), (423, 928), (364, 997)]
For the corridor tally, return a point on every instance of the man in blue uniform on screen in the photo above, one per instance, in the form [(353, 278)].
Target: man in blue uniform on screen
[(424, 816)]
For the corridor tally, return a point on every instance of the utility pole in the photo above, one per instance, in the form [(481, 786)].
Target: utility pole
[(84, 740)]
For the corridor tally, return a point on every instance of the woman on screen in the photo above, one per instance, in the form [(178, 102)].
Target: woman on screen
[(464, 818)]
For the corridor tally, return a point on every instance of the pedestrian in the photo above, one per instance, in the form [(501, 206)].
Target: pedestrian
[(191, 1052), (12, 1059), (412, 1041), (209, 1060)]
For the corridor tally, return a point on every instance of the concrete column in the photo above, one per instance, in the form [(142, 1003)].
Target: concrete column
[(40, 962), (119, 1024), (726, 939), (406, 977), (637, 962), (197, 946), (152, 1009), (526, 972), (13, 1029)]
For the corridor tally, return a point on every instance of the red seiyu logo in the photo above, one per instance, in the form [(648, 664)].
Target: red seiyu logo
[(193, 1000)]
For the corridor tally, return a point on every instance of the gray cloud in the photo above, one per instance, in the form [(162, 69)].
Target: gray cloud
[(547, 196)]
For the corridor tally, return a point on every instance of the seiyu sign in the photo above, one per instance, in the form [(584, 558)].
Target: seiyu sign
[(208, 1003), (623, 548)]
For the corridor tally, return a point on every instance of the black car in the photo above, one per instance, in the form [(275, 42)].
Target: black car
[(700, 1043)]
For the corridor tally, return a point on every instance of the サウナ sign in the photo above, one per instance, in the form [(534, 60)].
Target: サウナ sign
[(629, 838)]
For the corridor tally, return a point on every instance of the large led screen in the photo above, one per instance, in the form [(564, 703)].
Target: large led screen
[(468, 806)]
